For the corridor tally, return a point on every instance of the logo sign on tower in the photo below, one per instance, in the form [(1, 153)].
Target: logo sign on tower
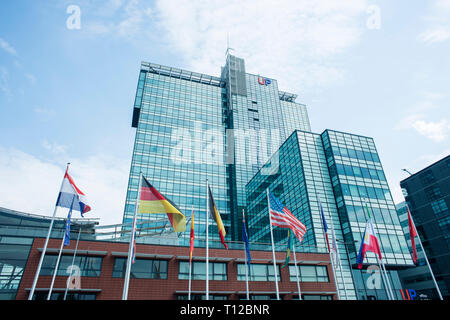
[(264, 81)]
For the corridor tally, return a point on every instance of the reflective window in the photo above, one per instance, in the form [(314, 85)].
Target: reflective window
[(217, 270), (258, 272), (89, 266), (309, 273)]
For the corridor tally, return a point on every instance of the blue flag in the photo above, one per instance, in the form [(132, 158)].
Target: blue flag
[(247, 245), (325, 226), (67, 227)]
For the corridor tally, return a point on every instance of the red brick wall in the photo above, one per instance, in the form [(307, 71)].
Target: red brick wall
[(156, 289)]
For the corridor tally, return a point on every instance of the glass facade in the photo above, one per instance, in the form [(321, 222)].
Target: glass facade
[(177, 117), (89, 266), (216, 270), (360, 186), (427, 194), (260, 118), (17, 232), (141, 269), (342, 173), (191, 127), (309, 273), (258, 272), (244, 135)]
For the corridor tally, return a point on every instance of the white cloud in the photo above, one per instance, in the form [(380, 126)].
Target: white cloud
[(7, 47), (428, 105), (31, 185), (438, 23), (436, 131), (293, 41), (126, 19), (135, 15)]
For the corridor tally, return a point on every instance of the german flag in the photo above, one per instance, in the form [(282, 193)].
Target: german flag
[(216, 216), (151, 201)]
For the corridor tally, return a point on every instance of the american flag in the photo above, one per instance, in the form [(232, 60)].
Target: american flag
[(283, 218)]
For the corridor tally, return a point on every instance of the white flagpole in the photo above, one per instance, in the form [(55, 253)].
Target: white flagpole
[(383, 276), (273, 247), (296, 270), (424, 254), (38, 271), (190, 263), (338, 257), (60, 250), (329, 252), (73, 261), (207, 244), (56, 269), (130, 247), (381, 263), (246, 263), (386, 282)]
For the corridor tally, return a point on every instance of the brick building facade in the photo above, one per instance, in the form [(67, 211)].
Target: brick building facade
[(102, 273)]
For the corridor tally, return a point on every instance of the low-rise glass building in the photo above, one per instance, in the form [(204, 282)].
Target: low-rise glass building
[(17, 233), (342, 173)]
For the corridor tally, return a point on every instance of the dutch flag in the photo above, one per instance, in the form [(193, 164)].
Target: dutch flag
[(69, 194)]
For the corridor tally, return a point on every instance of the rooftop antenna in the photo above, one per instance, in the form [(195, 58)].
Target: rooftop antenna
[(228, 45)]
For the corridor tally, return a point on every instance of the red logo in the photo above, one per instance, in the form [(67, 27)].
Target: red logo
[(264, 81)]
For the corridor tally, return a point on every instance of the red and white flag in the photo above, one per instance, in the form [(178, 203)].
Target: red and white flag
[(412, 234)]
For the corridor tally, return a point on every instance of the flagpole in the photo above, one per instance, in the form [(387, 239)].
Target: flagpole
[(56, 269), (384, 276), (296, 270), (41, 259), (207, 244), (130, 247), (329, 254), (73, 261), (246, 262), (338, 256), (380, 261), (424, 254), (67, 225), (273, 247), (190, 262), (387, 280)]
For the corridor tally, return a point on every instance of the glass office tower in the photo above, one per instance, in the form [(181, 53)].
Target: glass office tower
[(341, 172), (191, 126), (177, 115), (259, 118)]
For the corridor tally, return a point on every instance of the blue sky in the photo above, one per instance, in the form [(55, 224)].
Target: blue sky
[(374, 68)]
